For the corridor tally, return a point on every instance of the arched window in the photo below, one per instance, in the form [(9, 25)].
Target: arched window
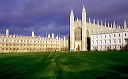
[(78, 34)]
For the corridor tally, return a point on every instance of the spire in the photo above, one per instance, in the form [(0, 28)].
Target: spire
[(71, 13), (94, 21), (83, 28), (114, 24), (71, 18), (83, 15), (89, 20), (83, 8), (125, 24)]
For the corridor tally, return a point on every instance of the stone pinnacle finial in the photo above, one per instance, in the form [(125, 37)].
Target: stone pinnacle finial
[(108, 24), (105, 24), (111, 25), (77, 19), (98, 22), (57, 37), (125, 24), (83, 8), (101, 23), (72, 13), (119, 27), (114, 24), (89, 20), (94, 21)]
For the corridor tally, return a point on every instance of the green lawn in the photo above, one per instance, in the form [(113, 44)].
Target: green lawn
[(64, 65)]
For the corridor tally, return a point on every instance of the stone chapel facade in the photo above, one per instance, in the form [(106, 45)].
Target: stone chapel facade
[(80, 31)]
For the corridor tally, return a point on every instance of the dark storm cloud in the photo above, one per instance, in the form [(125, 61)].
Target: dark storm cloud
[(23, 16)]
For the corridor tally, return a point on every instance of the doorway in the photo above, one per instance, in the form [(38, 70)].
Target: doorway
[(78, 47), (88, 43)]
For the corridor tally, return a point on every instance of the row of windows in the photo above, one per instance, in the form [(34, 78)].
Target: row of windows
[(107, 47), (108, 41), (37, 38), (29, 41), (110, 35), (30, 45), (30, 49)]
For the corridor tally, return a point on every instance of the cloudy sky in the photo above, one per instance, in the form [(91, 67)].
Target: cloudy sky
[(23, 16)]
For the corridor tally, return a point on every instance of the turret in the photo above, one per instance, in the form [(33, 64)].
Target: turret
[(71, 30), (7, 32), (84, 40), (125, 24)]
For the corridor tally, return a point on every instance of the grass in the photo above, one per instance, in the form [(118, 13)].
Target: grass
[(64, 65)]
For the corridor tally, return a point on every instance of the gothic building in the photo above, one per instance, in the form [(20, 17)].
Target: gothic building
[(84, 36), (80, 30)]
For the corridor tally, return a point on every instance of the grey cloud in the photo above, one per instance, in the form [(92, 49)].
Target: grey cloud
[(23, 16)]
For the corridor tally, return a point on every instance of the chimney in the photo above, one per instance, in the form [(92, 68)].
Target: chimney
[(33, 34), (7, 32), (48, 35), (52, 35)]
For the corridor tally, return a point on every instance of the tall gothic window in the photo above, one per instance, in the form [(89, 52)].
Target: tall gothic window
[(78, 34)]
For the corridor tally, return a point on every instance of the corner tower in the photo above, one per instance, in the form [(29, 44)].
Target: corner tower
[(84, 37), (71, 30)]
